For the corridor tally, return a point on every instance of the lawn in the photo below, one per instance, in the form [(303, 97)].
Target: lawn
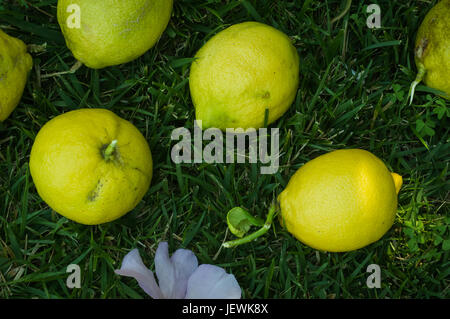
[(353, 94)]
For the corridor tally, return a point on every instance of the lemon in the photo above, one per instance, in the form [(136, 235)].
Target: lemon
[(340, 201), (90, 165), (432, 49), (240, 73), (15, 64), (103, 33)]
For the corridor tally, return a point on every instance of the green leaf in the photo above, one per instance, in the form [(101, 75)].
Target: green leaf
[(399, 93), (446, 244), (438, 239), (441, 110), (419, 125), (412, 244), (425, 128), (408, 232), (429, 131), (239, 221)]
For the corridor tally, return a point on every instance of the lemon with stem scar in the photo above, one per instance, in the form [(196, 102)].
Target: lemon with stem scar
[(91, 166), (103, 33), (432, 50), (244, 76)]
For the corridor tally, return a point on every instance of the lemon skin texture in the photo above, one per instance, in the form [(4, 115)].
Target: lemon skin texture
[(112, 32), (73, 175), (340, 201), (15, 64), (242, 71), (432, 47)]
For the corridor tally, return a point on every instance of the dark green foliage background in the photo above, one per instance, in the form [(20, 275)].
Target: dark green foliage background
[(353, 94)]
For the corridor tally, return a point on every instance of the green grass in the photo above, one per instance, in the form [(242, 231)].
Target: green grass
[(187, 203)]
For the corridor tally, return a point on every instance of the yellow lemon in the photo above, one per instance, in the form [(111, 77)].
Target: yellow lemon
[(240, 73), (432, 49), (340, 201), (90, 165), (103, 33), (15, 64)]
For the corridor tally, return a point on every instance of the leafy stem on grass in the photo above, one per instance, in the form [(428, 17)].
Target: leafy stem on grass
[(72, 70), (37, 48), (239, 221)]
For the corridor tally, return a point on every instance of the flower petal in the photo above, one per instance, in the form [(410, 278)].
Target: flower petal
[(173, 273), (132, 266), (185, 263), (212, 282)]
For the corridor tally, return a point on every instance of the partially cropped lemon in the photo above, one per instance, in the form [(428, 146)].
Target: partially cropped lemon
[(103, 33), (340, 201), (432, 49), (90, 165), (240, 73), (15, 64)]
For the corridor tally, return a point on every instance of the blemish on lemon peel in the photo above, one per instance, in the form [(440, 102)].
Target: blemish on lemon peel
[(93, 195), (421, 48), (266, 95)]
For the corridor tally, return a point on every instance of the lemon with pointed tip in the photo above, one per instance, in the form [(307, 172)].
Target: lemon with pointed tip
[(240, 73), (103, 33), (15, 64), (90, 165), (340, 201), (432, 50)]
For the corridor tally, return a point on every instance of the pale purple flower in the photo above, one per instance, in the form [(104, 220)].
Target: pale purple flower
[(179, 276)]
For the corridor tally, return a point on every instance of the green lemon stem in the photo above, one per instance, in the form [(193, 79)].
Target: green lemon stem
[(109, 150), (264, 229), (420, 74)]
